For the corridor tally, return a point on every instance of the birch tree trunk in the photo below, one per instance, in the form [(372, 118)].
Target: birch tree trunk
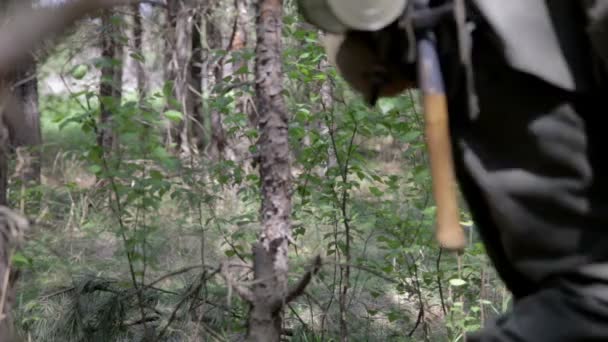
[(270, 253)]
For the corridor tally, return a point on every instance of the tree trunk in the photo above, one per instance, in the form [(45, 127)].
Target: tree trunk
[(4, 153), (169, 32), (110, 85), (238, 41), (179, 59), (214, 42), (138, 50), (270, 254), (27, 169), (21, 118), (327, 104), (26, 91), (183, 49), (170, 68), (196, 83)]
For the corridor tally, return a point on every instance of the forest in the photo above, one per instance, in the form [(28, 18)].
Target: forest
[(197, 170)]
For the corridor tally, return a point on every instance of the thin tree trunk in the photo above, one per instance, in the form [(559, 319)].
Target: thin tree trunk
[(110, 85), (238, 42), (138, 50), (26, 91), (327, 104), (27, 145), (179, 73), (196, 83), (183, 50), (170, 67), (169, 32), (270, 254), (214, 42), (4, 140), (4, 153)]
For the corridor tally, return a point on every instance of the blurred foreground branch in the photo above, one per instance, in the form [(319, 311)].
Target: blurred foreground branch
[(28, 27)]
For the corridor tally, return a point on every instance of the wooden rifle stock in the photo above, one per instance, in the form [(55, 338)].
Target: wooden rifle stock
[(448, 233)]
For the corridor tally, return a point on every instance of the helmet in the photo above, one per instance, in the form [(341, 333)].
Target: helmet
[(363, 42), (339, 16)]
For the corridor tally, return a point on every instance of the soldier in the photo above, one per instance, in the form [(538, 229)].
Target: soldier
[(526, 124)]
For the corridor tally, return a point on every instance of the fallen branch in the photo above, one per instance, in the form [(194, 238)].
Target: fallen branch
[(141, 321)]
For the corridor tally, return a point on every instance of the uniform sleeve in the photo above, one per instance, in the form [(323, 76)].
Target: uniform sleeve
[(597, 15)]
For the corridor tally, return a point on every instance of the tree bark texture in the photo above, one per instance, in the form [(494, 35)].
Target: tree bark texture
[(196, 82), (170, 68), (169, 32), (270, 254), (238, 42), (21, 127), (4, 153), (110, 85), (26, 93), (21, 119), (180, 19), (138, 49), (214, 42), (183, 49), (327, 105)]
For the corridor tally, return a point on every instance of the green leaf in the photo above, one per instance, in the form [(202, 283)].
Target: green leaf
[(138, 57), (375, 191), (19, 260), (457, 282), (95, 169), (393, 316), (174, 115), (80, 71)]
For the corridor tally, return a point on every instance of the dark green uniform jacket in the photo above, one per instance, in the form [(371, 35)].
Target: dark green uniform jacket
[(531, 159), (531, 162)]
